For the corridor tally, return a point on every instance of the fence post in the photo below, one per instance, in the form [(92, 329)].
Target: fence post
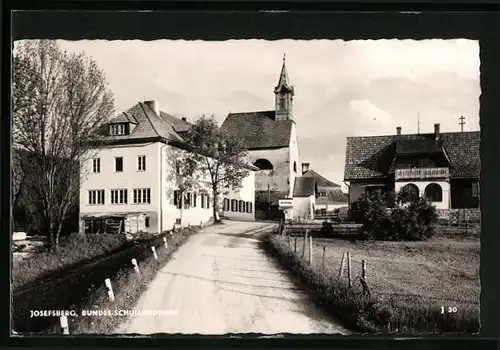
[(153, 249), (295, 246), (349, 269), (363, 277), (342, 263), (305, 243), (324, 252), (165, 241), (136, 267), (289, 243), (111, 295), (201, 224), (64, 324), (310, 250)]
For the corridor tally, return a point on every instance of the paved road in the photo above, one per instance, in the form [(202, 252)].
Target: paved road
[(220, 282)]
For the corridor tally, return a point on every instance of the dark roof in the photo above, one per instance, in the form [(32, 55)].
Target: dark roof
[(321, 181), (333, 196), (370, 157), (421, 146), (259, 130), (149, 125), (304, 186)]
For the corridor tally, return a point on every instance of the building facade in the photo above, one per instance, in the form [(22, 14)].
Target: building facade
[(125, 183), (441, 167), (271, 140)]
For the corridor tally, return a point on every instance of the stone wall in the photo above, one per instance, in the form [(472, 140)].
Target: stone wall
[(471, 215)]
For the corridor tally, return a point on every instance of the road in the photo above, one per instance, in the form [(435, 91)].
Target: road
[(220, 282)]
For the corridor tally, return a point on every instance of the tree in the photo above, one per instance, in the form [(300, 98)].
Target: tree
[(220, 156), (60, 101), (183, 172)]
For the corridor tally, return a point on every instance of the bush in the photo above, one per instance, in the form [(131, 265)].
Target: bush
[(412, 218)]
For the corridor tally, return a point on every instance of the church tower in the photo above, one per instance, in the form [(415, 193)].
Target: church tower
[(284, 96)]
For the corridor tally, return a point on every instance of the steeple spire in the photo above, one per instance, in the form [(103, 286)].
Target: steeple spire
[(284, 94)]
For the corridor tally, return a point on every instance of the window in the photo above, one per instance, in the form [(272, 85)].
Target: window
[(146, 221), (142, 196), (177, 199), (208, 201), (194, 199), (234, 205), (178, 221), (249, 207), (263, 164), (433, 193), (295, 166), (118, 164), (242, 206), (186, 200), (96, 197), (226, 204), (118, 129), (96, 165), (141, 163), (119, 196), (475, 190)]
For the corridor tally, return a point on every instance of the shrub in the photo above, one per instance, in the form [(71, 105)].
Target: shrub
[(412, 218)]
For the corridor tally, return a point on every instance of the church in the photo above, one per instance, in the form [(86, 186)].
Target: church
[(271, 140)]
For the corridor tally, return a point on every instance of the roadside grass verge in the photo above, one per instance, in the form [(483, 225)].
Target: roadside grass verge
[(128, 287), (376, 313), (73, 249)]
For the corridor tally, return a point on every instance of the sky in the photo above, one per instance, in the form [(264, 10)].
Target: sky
[(342, 88)]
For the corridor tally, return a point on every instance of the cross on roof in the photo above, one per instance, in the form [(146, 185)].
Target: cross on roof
[(461, 122)]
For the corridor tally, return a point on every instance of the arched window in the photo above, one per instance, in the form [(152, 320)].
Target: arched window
[(295, 166), (409, 192), (263, 164), (434, 193)]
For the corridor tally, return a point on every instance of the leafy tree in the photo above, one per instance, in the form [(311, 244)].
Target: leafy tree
[(60, 101), (220, 156), (183, 171)]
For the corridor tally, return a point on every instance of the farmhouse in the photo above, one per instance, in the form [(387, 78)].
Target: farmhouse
[(329, 195), (442, 167), (271, 140), (125, 184)]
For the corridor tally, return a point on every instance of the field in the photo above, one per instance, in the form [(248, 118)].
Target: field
[(415, 278)]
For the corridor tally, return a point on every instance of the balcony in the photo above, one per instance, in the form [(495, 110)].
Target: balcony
[(422, 173)]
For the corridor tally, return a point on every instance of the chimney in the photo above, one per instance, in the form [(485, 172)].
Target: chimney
[(185, 119), (436, 131), (305, 168), (154, 105), (398, 130)]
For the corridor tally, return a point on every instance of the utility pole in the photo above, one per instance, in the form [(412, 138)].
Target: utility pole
[(418, 122), (461, 122)]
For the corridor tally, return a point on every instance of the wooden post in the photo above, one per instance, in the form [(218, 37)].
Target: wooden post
[(363, 269), (364, 283), (342, 263), (295, 246), (349, 269), (324, 252), (310, 250), (64, 324), (153, 249), (165, 242), (111, 295), (136, 267), (305, 243)]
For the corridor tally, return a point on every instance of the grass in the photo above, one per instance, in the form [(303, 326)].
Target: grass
[(128, 288), (73, 249), (408, 281)]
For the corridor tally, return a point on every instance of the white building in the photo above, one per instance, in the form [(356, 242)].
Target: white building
[(125, 186)]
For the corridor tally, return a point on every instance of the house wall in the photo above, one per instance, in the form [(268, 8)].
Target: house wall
[(294, 158), (107, 179), (278, 178), (246, 194), (331, 207), (304, 206), (445, 186), (357, 188)]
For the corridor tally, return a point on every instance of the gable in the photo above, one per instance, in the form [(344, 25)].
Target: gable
[(371, 157), (259, 130), (321, 181)]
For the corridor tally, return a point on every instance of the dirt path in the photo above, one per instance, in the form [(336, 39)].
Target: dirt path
[(220, 282)]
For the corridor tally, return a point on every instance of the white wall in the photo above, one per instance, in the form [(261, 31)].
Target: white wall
[(331, 207), (278, 177), (107, 179), (294, 156), (247, 194), (303, 206), (445, 186)]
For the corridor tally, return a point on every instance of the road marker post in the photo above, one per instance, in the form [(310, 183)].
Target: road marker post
[(136, 267), (153, 249), (64, 324), (111, 295), (165, 242)]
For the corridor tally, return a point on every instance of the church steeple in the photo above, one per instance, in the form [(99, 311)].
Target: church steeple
[(284, 95)]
